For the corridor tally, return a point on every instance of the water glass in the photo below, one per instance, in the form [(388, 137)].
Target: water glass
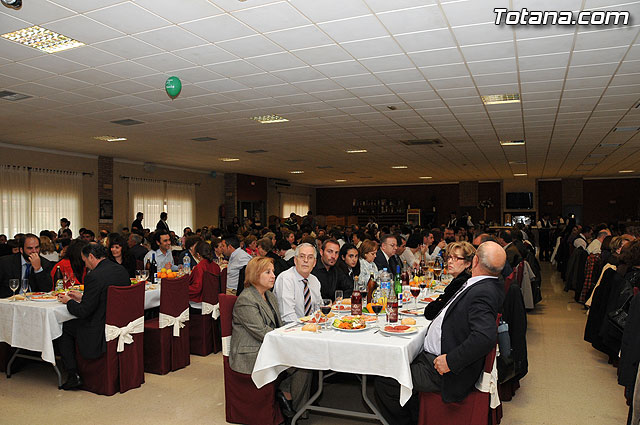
[(138, 276), (24, 287), (14, 284), (339, 297)]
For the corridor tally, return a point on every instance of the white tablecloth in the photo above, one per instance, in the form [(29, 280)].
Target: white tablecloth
[(363, 352), (33, 325)]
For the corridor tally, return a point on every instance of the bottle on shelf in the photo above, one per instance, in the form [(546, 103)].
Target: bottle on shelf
[(58, 279)]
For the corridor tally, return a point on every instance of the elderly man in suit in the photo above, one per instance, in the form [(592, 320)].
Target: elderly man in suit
[(457, 341), (386, 255), (27, 264), (90, 309)]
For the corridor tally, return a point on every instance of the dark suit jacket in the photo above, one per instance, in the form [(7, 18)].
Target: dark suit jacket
[(91, 311), (330, 280), (136, 227), (390, 265), (11, 268), (279, 264), (162, 226), (138, 251), (513, 255), (469, 332)]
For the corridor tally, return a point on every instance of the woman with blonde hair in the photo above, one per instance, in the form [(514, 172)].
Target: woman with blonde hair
[(459, 257), (367, 251), (48, 249)]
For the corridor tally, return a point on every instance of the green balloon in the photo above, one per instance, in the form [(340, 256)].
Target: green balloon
[(173, 87)]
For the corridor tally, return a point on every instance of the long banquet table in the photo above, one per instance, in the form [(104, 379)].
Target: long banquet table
[(365, 353), (33, 325)]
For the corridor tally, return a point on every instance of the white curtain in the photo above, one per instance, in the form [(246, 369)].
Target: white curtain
[(15, 200), (55, 194), (181, 200), (146, 196), (291, 202)]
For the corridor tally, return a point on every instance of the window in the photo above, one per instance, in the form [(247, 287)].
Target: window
[(32, 200), (153, 197), (290, 202)]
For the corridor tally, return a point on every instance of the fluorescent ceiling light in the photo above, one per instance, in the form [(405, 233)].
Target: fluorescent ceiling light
[(229, 159), (269, 119), (340, 180), (399, 167), (42, 39), (512, 142), (357, 151), (426, 177), (518, 162), (495, 99), (296, 172), (617, 129), (519, 174), (110, 138), (627, 171)]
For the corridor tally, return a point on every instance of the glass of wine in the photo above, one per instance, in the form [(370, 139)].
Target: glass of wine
[(377, 304), (138, 276), (65, 280), (317, 314), (325, 308), (144, 274), (14, 284), (339, 298), (25, 288), (415, 291)]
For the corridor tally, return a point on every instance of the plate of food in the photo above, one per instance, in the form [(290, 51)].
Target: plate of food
[(410, 312), (349, 324), (429, 299), (341, 307), (398, 330), (311, 319), (363, 317), (45, 297)]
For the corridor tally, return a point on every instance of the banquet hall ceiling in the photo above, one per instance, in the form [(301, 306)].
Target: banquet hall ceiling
[(347, 74)]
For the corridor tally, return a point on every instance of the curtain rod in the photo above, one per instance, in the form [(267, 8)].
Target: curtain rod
[(156, 180), (84, 173)]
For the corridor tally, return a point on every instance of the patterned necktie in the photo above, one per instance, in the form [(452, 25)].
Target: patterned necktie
[(307, 297)]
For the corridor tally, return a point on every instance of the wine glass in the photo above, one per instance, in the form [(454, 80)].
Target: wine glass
[(339, 297), (317, 314), (377, 304), (138, 276), (144, 275), (25, 287), (415, 291), (325, 308), (14, 284), (65, 279)]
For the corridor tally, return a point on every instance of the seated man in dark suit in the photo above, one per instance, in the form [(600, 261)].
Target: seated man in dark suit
[(386, 255), (328, 274), (90, 309), (28, 264), (135, 248), (457, 341), (513, 253)]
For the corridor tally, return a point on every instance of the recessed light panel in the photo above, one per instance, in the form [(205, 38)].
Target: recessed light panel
[(426, 177), (627, 171), (399, 167), (296, 172), (110, 138), (520, 175), (42, 39), (357, 151), (229, 159), (269, 119), (340, 180), (619, 129), (496, 99), (512, 142)]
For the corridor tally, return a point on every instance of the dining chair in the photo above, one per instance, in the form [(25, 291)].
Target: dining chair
[(204, 330), (244, 403), (118, 370), (166, 342)]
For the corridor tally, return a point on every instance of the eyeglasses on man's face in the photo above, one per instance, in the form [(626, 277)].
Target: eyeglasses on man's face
[(309, 257)]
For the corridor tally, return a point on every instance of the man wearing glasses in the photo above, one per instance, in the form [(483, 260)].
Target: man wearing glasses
[(386, 255), (296, 289)]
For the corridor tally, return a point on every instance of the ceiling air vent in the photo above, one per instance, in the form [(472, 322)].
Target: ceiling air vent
[(127, 122), (256, 151), (204, 139), (420, 142), (9, 95)]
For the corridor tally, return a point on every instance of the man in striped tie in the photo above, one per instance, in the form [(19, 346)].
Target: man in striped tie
[(297, 290)]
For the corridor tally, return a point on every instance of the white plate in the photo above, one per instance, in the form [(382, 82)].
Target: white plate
[(409, 331), (308, 320), (411, 312), (41, 300)]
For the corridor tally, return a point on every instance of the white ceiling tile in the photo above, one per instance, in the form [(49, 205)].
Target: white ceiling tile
[(254, 45), (606, 38), (595, 70), (333, 95), (387, 63), (340, 69), (234, 68), (167, 9), (364, 92), (413, 90), (196, 74), (426, 40), (352, 29), (89, 56), (414, 19), (436, 57), (24, 72), (259, 80), (317, 85), (127, 86), (127, 47), (170, 38), (218, 28), (403, 75), (586, 83), (84, 29), (64, 83), (299, 74), (10, 23), (385, 6), (127, 69), (383, 46), (482, 33), (499, 88), (542, 75), (594, 56), (541, 86), (488, 51), (272, 17), (492, 79), (472, 12), (457, 92), (444, 71), (86, 6), (555, 60), (205, 55), (300, 38), (97, 92), (55, 64), (545, 45), (623, 80), (357, 81), (15, 52), (222, 86), (34, 89), (39, 13), (450, 83), (329, 10), (128, 18), (164, 62), (324, 54), (276, 61), (93, 76), (493, 66)]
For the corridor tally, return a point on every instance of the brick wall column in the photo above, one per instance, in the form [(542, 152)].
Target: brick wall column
[(105, 192)]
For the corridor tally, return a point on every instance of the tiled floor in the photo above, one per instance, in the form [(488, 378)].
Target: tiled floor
[(568, 383)]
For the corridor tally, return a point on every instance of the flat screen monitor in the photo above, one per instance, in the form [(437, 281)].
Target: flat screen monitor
[(519, 200)]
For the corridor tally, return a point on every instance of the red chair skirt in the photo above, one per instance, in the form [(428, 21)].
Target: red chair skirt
[(473, 410), (164, 353), (200, 333)]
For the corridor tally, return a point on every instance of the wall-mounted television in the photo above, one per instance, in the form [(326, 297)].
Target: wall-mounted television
[(519, 200)]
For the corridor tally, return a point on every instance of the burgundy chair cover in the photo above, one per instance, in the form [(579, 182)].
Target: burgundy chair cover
[(244, 403), (202, 327), (223, 281), (115, 371), (163, 352)]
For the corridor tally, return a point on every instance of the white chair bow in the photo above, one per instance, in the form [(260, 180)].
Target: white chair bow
[(213, 310), (488, 383), (177, 322), (226, 345), (124, 334)]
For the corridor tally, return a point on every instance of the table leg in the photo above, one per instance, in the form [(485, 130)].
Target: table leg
[(13, 357), (309, 404), (18, 353)]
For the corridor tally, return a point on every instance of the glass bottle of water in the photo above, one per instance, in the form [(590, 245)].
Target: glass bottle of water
[(186, 264)]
